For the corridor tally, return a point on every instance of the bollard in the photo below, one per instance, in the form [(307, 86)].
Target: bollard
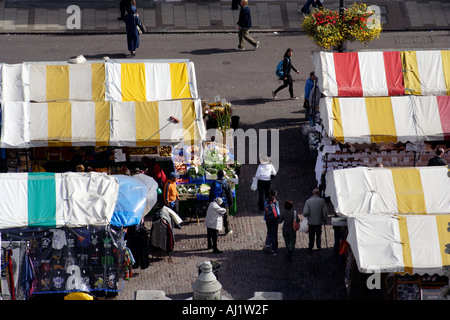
[(206, 287)]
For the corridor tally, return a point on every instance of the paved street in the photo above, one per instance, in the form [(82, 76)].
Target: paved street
[(246, 79), (37, 16)]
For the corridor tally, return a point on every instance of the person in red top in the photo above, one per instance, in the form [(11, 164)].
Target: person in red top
[(153, 170)]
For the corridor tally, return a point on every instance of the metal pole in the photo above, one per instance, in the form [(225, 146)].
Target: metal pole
[(341, 14)]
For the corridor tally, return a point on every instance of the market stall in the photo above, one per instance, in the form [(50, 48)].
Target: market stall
[(397, 221), (70, 227), (383, 73)]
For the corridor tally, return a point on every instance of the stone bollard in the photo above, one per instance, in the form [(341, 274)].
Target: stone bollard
[(206, 287)]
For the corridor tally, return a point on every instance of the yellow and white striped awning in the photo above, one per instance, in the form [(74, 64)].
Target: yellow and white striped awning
[(101, 123), (386, 119), (148, 123), (368, 191), (413, 244), (149, 80)]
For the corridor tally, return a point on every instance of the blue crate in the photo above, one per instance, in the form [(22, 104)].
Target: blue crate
[(202, 197), (198, 180)]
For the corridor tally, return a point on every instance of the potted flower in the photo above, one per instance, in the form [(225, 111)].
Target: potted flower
[(327, 28)]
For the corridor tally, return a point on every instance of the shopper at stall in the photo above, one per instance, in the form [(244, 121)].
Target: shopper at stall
[(287, 78), (220, 188), (264, 174), (438, 160), (316, 211), (214, 223), (289, 234), (271, 216), (170, 193), (309, 85), (153, 169)]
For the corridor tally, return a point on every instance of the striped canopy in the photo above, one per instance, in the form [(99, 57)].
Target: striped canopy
[(53, 200), (388, 73), (115, 80), (367, 191), (101, 123), (386, 119), (415, 244)]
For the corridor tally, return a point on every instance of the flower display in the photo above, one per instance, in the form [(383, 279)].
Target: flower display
[(327, 28), (221, 112)]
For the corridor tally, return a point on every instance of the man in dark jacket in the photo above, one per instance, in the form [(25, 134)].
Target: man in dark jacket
[(438, 160), (315, 210), (221, 189), (244, 24)]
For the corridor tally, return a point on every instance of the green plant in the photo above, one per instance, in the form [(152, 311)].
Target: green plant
[(327, 28)]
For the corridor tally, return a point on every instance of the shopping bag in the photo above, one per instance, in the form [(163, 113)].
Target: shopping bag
[(295, 224), (304, 225), (254, 185)]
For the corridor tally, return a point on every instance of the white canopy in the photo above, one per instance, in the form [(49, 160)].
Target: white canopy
[(81, 123), (415, 244), (386, 119), (366, 191), (98, 81), (56, 199), (383, 73)]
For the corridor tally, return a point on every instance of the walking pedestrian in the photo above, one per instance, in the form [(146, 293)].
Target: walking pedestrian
[(271, 216), (314, 3), (289, 234), (170, 193), (438, 160), (125, 7), (220, 188), (214, 223), (264, 174), (244, 24), (287, 78), (131, 22), (316, 211)]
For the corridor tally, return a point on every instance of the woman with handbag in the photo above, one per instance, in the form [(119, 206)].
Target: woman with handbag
[(290, 227), (264, 175), (132, 23)]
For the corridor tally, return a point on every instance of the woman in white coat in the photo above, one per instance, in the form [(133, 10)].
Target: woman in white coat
[(214, 223)]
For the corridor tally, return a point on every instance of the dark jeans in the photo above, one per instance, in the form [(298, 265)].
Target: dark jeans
[(287, 82), (315, 232), (211, 236), (263, 191), (272, 235), (226, 220), (314, 4)]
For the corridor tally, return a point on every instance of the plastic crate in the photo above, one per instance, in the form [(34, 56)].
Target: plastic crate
[(197, 180)]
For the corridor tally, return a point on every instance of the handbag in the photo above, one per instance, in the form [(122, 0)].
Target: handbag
[(304, 225), (295, 224), (254, 185), (140, 27)]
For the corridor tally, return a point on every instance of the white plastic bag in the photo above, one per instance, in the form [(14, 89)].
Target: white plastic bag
[(254, 185), (304, 225)]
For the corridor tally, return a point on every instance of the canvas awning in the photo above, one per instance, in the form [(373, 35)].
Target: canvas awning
[(53, 200), (386, 119), (115, 80), (27, 124), (415, 244), (367, 191), (383, 73)]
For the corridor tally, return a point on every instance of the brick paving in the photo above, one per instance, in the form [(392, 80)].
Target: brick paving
[(245, 269)]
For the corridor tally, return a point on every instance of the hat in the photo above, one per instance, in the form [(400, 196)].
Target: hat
[(218, 200), (264, 160), (173, 175)]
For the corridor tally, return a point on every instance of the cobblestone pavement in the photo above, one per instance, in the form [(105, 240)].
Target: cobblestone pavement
[(245, 269)]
